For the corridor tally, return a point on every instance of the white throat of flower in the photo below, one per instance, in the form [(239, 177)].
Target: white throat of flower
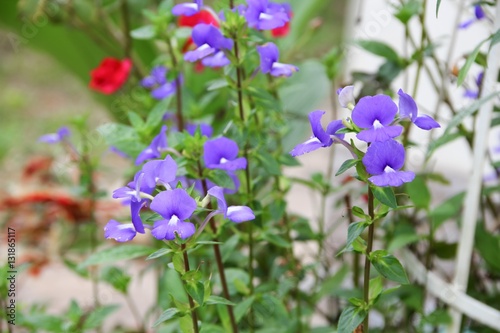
[(264, 16), (223, 160), (388, 169), (377, 124), (173, 221)]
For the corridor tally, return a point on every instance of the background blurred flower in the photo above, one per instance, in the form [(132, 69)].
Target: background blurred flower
[(110, 75)]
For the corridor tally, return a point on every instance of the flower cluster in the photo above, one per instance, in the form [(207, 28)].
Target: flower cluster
[(375, 120), (156, 186)]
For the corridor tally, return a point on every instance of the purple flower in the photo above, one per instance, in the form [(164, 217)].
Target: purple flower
[(59, 136), (383, 160), (478, 16), (157, 80), (210, 43), (320, 137), (235, 214), (222, 153), (187, 9), (175, 207), (119, 232), (205, 129), (118, 152), (154, 150), (269, 55), (160, 172), (374, 114), (408, 109), (474, 94), (346, 96), (265, 15)]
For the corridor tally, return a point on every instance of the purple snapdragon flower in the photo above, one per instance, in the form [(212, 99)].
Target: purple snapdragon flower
[(374, 115), (269, 55), (155, 148), (157, 81), (175, 206), (210, 42), (383, 160), (478, 16), (408, 109), (187, 9), (320, 137), (266, 15), (222, 153), (59, 136), (235, 214)]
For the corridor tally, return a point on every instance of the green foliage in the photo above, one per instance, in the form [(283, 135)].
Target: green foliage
[(388, 266)]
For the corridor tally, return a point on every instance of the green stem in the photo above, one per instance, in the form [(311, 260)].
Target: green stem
[(178, 88), (348, 206), (218, 258), (366, 281), (194, 317), (126, 28)]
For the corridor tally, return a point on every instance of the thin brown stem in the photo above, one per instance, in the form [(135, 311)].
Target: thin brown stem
[(194, 316), (126, 28)]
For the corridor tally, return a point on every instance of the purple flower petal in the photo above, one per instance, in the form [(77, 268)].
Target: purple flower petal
[(218, 193), (317, 128), (219, 59), (164, 91), (407, 106), (280, 69), (52, 138), (426, 122), (394, 178), (167, 229), (373, 110), (230, 165), (380, 134), (306, 147), (333, 127), (135, 210), (205, 129), (186, 9), (221, 151), (154, 149), (381, 155), (162, 172), (201, 52), (119, 232), (479, 12), (240, 214), (175, 202), (269, 54), (346, 96)]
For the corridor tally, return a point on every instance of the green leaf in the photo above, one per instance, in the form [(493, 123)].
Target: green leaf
[(218, 300), (217, 84), (354, 230), (376, 287), (444, 250), (156, 114), (178, 263), (197, 291), (380, 49), (135, 120), (350, 319), (467, 111), (276, 240), (167, 315), (385, 195), (186, 324), (116, 253), (488, 246), (346, 166), (97, 317), (221, 178), (402, 240), (495, 39), (468, 63), (408, 10), (419, 192), (242, 308), (446, 210), (159, 253), (145, 32), (333, 283), (116, 277), (269, 163), (438, 4), (388, 266), (358, 212)]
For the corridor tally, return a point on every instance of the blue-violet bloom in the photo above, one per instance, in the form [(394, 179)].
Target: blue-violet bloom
[(160, 172), (408, 109), (187, 9), (205, 129), (474, 93), (320, 137), (235, 214), (374, 115), (478, 16), (265, 15), (269, 55), (121, 232), (383, 160), (175, 207), (59, 136), (158, 144), (157, 81), (210, 42), (222, 153)]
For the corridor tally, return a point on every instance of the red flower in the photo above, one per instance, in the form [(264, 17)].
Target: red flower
[(284, 30), (203, 16), (110, 75)]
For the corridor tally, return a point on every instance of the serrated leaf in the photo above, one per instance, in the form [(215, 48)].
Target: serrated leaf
[(388, 266), (350, 319), (346, 166), (167, 315), (385, 195), (116, 253)]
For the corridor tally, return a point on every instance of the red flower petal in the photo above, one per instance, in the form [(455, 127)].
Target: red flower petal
[(110, 75)]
